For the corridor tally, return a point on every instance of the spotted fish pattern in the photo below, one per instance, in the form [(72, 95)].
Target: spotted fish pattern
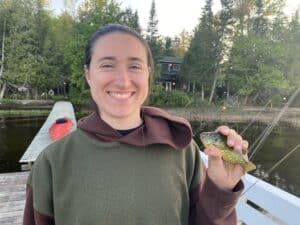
[(228, 154)]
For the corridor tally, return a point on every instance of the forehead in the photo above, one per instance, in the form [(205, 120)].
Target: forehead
[(119, 44)]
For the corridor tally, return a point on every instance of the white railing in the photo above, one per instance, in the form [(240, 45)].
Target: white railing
[(265, 204)]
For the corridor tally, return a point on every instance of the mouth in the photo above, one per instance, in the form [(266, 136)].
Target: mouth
[(120, 95)]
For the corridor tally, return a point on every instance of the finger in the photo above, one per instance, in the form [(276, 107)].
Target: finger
[(245, 146), (213, 152), (225, 130), (235, 141)]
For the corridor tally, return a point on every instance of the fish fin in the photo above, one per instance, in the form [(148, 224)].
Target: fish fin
[(249, 167)]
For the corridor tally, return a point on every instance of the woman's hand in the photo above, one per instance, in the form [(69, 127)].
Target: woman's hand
[(223, 174)]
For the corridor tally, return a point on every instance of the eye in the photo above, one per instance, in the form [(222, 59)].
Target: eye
[(106, 65), (135, 67)]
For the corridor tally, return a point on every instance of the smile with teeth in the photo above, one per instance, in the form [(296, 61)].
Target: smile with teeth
[(120, 95)]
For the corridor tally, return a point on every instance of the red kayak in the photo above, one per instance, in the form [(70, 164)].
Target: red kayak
[(60, 128)]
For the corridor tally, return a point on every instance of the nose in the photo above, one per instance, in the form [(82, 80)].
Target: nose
[(123, 77)]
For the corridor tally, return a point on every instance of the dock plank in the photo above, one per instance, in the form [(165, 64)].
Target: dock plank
[(12, 197)]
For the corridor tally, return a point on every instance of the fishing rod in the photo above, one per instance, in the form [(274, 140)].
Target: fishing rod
[(255, 117), (271, 169), (273, 123)]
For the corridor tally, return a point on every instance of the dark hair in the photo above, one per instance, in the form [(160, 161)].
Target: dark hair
[(114, 28)]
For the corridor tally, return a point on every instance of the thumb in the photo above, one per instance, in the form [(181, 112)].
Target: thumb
[(214, 156), (213, 152)]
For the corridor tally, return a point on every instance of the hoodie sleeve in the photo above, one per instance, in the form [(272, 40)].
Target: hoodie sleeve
[(38, 205), (209, 204)]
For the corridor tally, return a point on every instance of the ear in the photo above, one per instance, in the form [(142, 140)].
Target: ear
[(87, 74)]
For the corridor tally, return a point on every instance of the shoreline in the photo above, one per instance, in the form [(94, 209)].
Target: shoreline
[(290, 117), (236, 115)]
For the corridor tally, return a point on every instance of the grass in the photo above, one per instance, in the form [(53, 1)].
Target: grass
[(34, 112)]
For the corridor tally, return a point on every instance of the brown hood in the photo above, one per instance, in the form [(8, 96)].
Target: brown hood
[(159, 128)]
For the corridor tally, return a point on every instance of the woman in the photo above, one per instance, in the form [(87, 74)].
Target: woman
[(128, 164)]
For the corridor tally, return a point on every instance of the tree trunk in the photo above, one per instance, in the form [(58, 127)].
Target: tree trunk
[(35, 93), (188, 86), (28, 94), (245, 100), (227, 92), (2, 92), (255, 97), (194, 87), (202, 93), (213, 87), (2, 50)]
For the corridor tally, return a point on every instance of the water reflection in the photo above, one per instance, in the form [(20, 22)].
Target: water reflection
[(15, 136)]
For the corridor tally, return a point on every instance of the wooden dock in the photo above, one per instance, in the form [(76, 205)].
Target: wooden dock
[(13, 185), (12, 197)]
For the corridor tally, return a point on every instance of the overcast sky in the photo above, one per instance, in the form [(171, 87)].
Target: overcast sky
[(173, 15)]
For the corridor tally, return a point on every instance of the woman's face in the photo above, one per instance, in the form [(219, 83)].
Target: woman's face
[(118, 78)]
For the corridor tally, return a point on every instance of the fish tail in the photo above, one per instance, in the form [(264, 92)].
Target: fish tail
[(249, 167)]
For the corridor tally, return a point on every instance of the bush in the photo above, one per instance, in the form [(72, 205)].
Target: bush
[(59, 98), (79, 97), (160, 97)]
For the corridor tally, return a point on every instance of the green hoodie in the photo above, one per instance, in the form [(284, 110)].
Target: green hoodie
[(153, 175)]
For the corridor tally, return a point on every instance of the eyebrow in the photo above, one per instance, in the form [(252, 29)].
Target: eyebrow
[(114, 58), (135, 59), (106, 58)]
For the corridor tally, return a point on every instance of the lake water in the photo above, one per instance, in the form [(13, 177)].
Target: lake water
[(16, 134)]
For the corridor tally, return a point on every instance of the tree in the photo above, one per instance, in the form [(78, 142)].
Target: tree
[(70, 7), (168, 51), (293, 49), (131, 19), (2, 87), (181, 43), (256, 67), (259, 22), (199, 62), (153, 37), (242, 12), (22, 45)]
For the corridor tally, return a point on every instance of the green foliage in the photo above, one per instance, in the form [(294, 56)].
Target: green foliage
[(256, 66), (160, 97), (77, 97), (153, 37), (201, 59), (241, 47)]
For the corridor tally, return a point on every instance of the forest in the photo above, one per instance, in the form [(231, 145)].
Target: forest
[(250, 48)]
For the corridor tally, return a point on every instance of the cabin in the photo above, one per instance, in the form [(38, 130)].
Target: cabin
[(170, 68)]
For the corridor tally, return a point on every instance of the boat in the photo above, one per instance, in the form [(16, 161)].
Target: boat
[(60, 128)]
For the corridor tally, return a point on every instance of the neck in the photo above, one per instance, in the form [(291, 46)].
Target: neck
[(120, 123)]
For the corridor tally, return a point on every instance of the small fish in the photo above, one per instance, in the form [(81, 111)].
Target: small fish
[(228, 154)]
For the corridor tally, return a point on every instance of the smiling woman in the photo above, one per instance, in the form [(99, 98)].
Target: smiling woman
[(118, 76), (127, 163)]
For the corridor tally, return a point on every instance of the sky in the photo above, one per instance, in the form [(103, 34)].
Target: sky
[(173, 15)]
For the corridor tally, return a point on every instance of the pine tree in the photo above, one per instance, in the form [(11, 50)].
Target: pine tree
[(199, 63), (168, 51), (131, 19), (153, 37), (259, 23), (152, 30)]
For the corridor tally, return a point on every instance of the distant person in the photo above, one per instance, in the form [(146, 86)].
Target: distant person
[(129, 164)]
